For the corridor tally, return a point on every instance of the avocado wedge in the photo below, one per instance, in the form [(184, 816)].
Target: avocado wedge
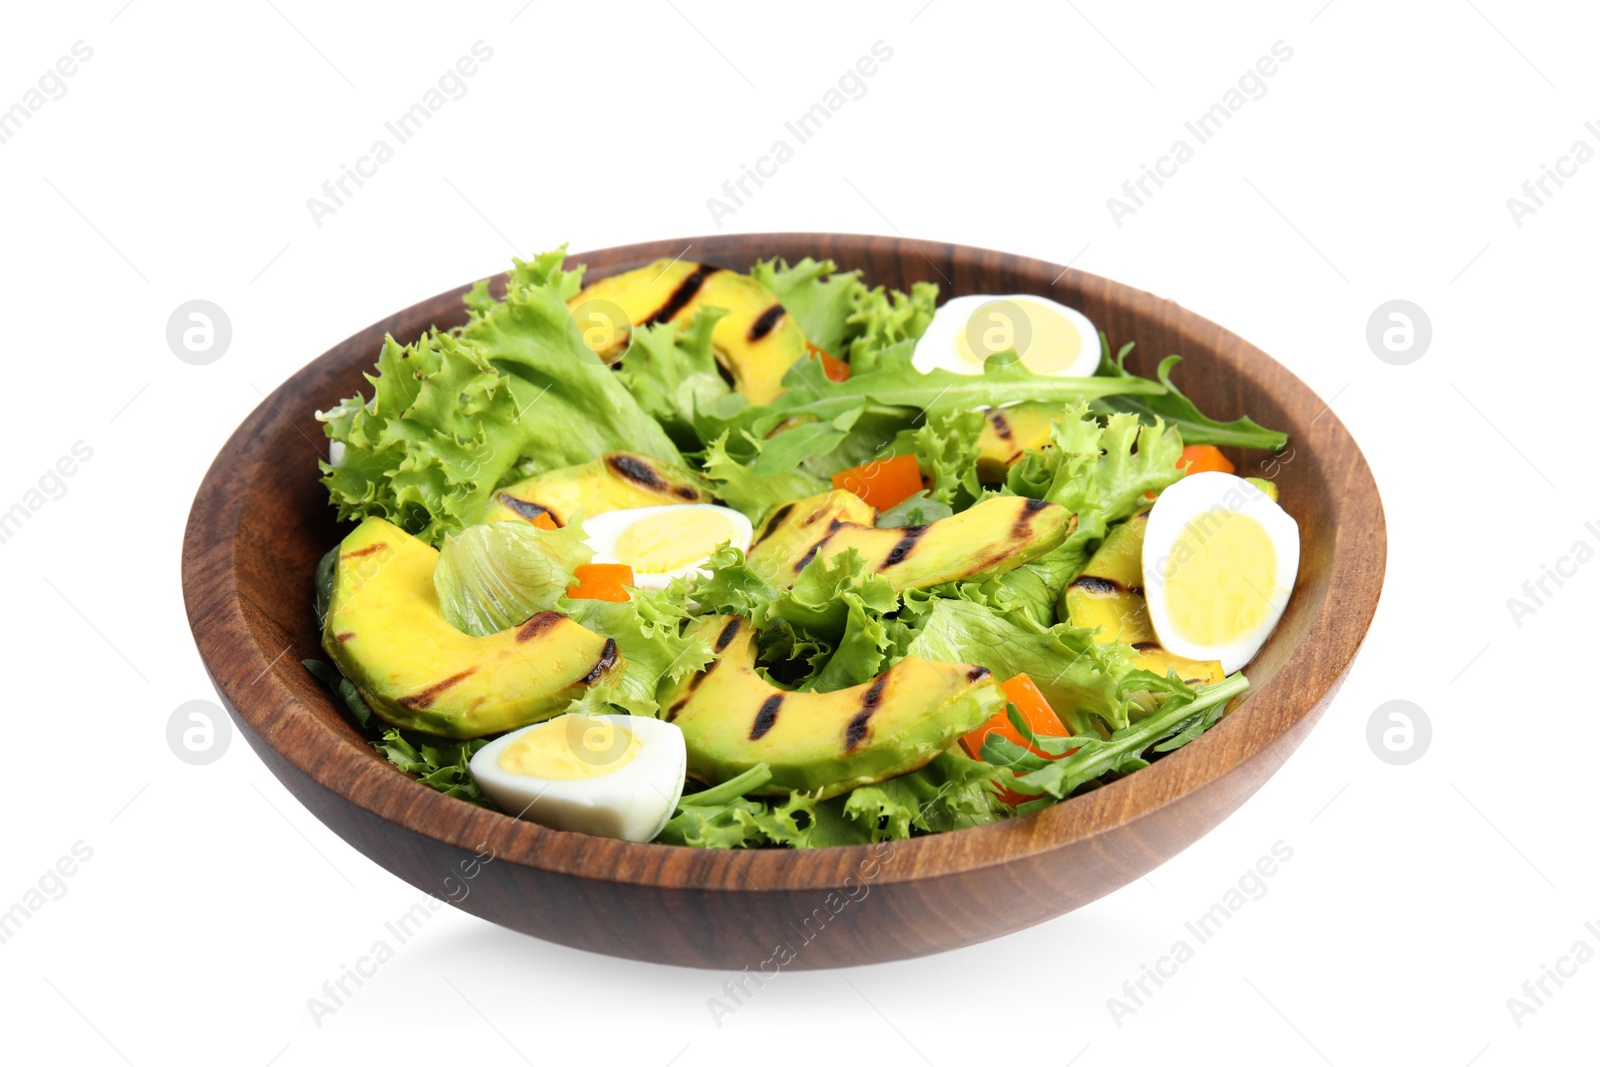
[(386, 633), (993, 536), (1107, 596), (823, 744), (756, 342), (614, 481)]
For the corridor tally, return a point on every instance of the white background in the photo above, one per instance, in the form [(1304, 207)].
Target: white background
[(1377, 166)]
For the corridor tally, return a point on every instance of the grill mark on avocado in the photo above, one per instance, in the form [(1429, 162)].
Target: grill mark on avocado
[(773, 523), (682, 294), (527, 508), (811, 553), (672, 712), (422, 700), (855, 730), (766, 717), (603, 665), (909, 536), (376, 546), (729, 630), (684, 492), (765, 322), (635, 470), (541, 623), (1090, 583), (1023, 525), (1146, 646), (347, 635), (997, 419), (977, 674)]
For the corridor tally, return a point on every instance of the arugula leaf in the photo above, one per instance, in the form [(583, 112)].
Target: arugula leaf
[(453, 414), (322, 586), (894, 388), (497, 575), (1076, 675), (1178, 410), (343, 688), (1183, 715)]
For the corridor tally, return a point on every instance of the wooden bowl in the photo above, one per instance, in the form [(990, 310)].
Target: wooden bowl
[(261, 520)]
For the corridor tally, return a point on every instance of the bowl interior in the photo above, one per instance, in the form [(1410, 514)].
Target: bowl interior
[(262, 520)]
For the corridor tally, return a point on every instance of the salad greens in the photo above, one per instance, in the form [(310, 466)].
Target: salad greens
[(516, 391)]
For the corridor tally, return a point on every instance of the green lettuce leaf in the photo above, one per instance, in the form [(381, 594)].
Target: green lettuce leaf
[(1178, 410), (672, 373), (647, 628), (439, 764), (1101, 473), (819, 299), (497, 575), (1077, 676), (826, 631), (515, 390), (740, 487)]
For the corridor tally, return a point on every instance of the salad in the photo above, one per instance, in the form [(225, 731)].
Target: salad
[(719, 559)]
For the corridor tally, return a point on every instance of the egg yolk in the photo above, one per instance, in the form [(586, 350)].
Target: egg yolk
[(672, 539), (571, 747), (1044, 339), (1218, 577)]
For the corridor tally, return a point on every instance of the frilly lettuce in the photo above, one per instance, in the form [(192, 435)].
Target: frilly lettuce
[(451, 415), (1101, 473)]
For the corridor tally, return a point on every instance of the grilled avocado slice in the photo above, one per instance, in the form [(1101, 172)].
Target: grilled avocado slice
[(993, 536), (1107, 596), (821, 743), (756, 342), (385, 631), (614, 481)]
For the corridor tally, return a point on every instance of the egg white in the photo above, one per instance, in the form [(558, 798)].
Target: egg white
[(601, 532), (936, 348), (632, 803), (1189, 499)]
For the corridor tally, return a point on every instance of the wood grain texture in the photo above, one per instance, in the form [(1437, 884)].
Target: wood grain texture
[(261, 519)]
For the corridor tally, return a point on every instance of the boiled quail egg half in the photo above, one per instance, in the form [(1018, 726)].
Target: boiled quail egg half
[(1049, 338), (614, 776), (1220, 559), (664, 542)]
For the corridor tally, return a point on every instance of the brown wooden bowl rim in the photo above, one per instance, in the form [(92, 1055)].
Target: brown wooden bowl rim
[(248, 681)]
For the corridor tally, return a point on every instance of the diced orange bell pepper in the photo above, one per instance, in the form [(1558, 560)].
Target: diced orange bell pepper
[(1196, 459), (1201, 458), (837, 370), (544, 521), (1035, 711), (602, 581), (883, 483)]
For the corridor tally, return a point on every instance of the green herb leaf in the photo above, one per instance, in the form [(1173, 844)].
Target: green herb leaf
[(1178, 410)]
